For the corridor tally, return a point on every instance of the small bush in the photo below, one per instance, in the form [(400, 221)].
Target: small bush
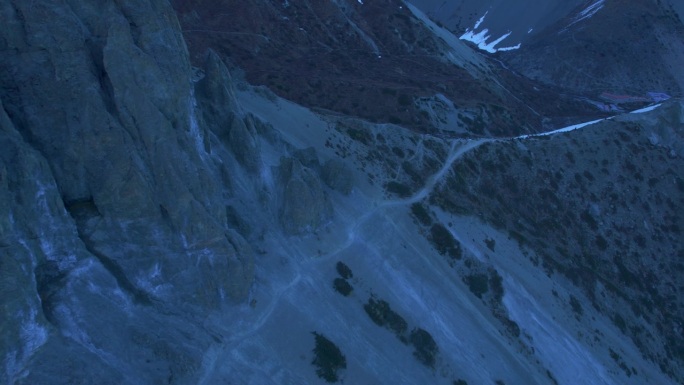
[(382, 314), (491, 243), (496, 282), (342, 286), (359, 135), (399, 189), (328, 358), (421, 214), (425, 347), (343, 270), (444, 242), (620, 323), (477, 283), (576, 306)]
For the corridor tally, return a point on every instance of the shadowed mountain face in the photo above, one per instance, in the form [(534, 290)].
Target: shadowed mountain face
[(637, 52), (306, 192), (531, 16), (371, 60), (588, 47)]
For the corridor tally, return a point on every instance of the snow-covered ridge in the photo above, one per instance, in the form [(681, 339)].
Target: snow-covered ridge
[(480, 38)]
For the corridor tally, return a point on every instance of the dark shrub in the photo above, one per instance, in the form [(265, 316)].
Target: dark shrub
[(421, 214), (496, 283), (444, 242), (477, 283), (343, 270), (328, 359), (397, 188), (425, 347), (382, 314), (342, 286), (491, 243), (576, 305)]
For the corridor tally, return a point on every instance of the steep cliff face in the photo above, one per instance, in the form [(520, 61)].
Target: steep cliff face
[(113, 195)]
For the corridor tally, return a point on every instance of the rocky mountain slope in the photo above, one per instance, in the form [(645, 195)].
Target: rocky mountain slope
[(303, 192), (383, 61), (635, 53)]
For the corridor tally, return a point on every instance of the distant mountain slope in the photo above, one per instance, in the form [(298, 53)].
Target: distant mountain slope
[(587, 47), (522, 19), (624, 47)]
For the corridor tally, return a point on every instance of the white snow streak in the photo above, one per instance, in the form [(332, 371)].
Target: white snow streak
[(580, 125), (586, 13), (645, 109), (477, 24)]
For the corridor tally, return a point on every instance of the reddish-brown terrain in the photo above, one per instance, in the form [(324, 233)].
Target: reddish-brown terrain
[(371, 60)]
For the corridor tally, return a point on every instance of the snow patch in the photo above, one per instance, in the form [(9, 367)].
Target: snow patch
[(480, 38), (645, 109), (581, 125), (479, 21)]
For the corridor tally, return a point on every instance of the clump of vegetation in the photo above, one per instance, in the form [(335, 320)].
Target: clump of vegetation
[(444, 242), (421, 214), (328, 358), (491, 243), (551, 377), (382, 314), (343, 270), (359, 135), (397, 188), (496, 283), (425, 347), (477, 283), (576, 306), (342, 286), (618, 360), (620, 323)]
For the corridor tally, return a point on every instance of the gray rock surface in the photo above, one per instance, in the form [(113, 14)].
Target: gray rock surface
[(216, 97), (337, 176), (112, 254), (305, 205)]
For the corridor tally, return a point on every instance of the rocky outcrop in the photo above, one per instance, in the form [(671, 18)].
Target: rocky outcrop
[(216, 97), (305, 205), (337, 176)]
